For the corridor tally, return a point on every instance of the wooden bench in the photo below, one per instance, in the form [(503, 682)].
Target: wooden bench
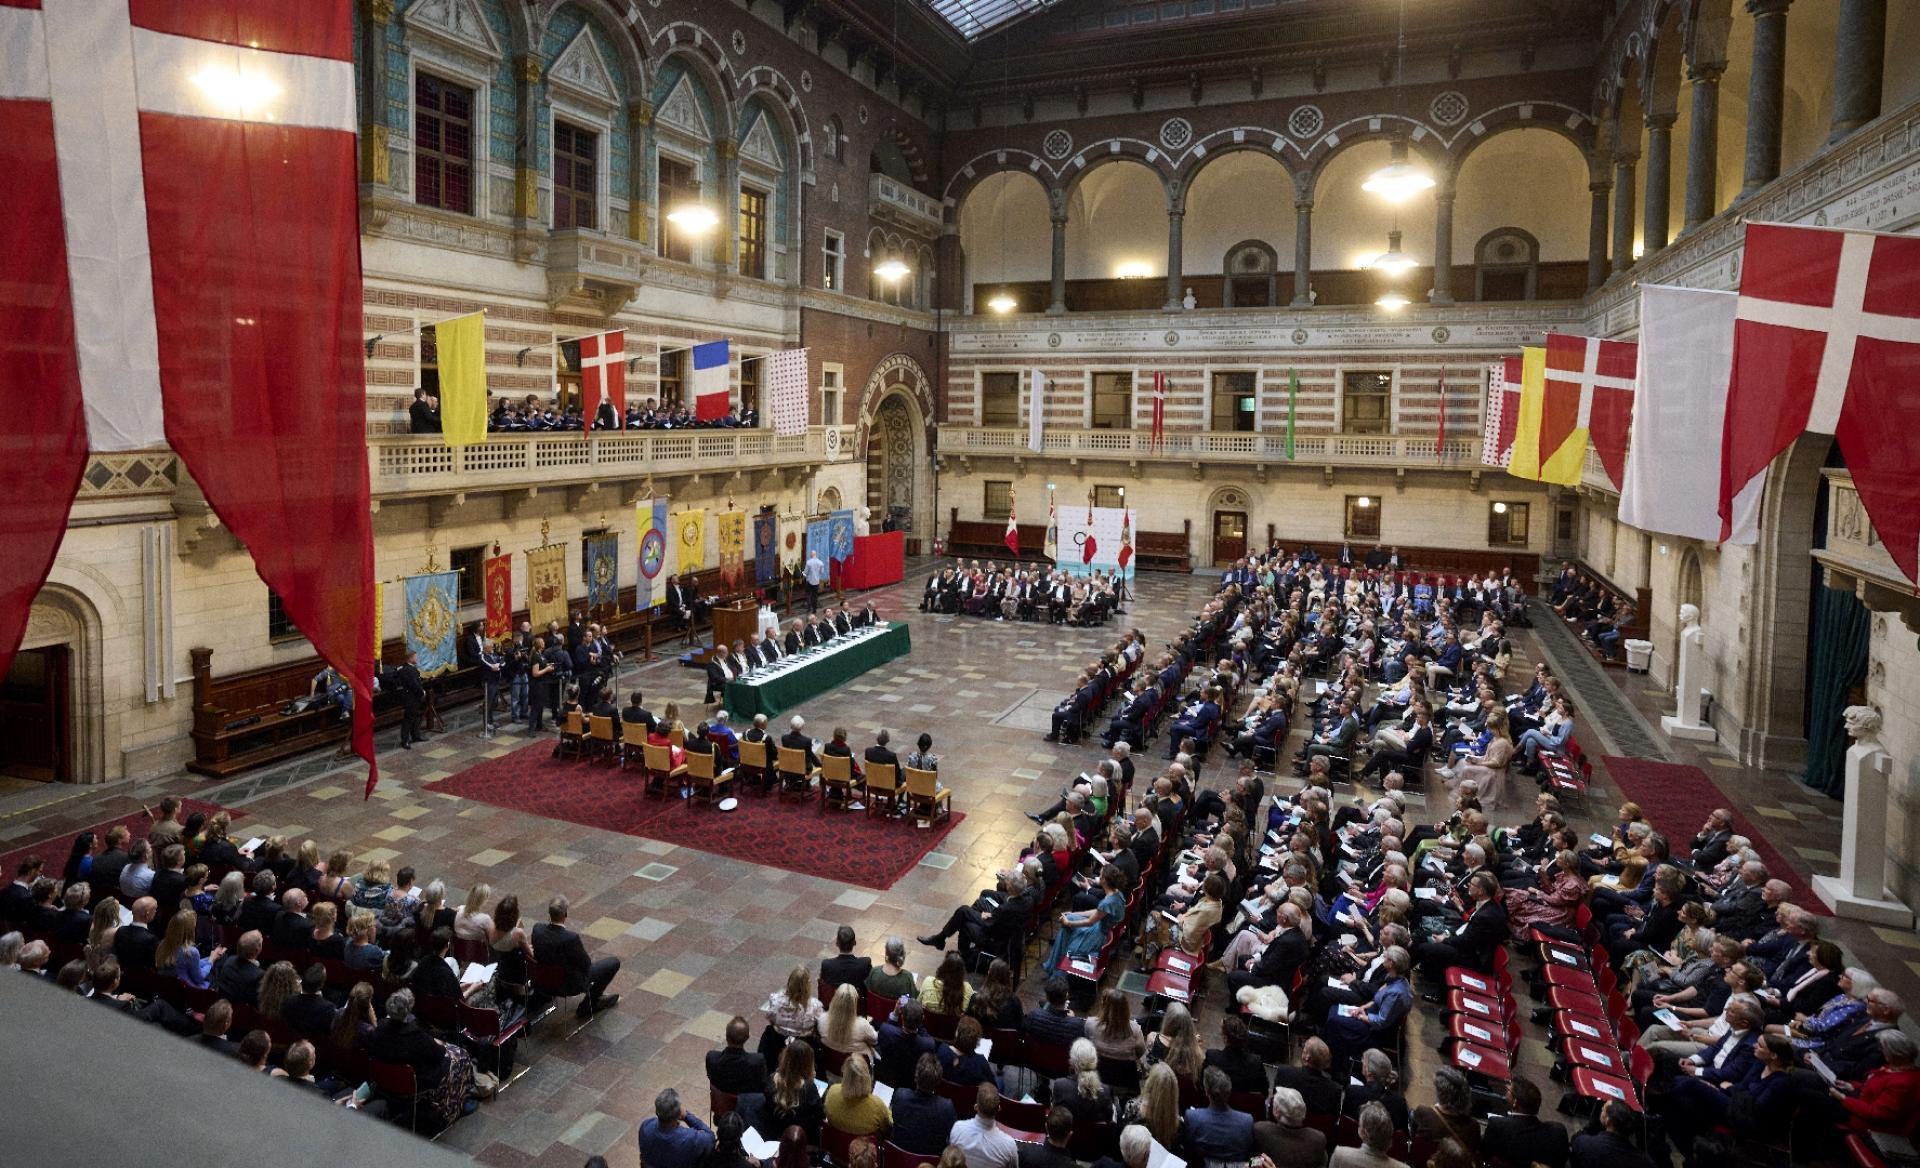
[(1634, 630), (1166, 551), (1439, 561), (985, 539)]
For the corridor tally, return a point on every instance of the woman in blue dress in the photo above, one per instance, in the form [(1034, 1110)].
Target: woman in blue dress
[(1086, 932)]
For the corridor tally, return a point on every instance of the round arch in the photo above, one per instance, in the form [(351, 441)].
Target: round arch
[(1338, 140), (1004, 233), (717, 81), (769, 89), (896, 448), (1350, 226), (1227, 535), (64, 626), (990, 163), (1169, 184), (1114, 222), (1553, 206), (1509, 119), (1232, 200), (633, 62)]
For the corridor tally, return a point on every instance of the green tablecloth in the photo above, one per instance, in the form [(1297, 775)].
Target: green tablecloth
[(814, 677)]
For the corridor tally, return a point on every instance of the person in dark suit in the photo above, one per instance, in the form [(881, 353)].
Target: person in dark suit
[(1521, 1136), (901, 1043), (843, 968), (292, 928), (214, 1027), (236, 976), (74, 920), (1146, 836), (105, 876), (308, 1011), (555, 944), (433, 977), (604, 708), (260, 911), (1217, 1133), (1052, 1023), (1276, 964), (838, 748), (1126, 725), (413, 699), (1313, 1078), (1471, 943), (170, 882), (794, 739), (793, 642), (423, 417), (1245, 1069), (734, 1069), (880, 752), (991, 922), (637, 712), (399, 1039), (922, 1117), (135, 943), (1609, 1147)]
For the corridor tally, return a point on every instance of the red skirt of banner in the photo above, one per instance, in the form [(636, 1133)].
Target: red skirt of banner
[(499, 580)]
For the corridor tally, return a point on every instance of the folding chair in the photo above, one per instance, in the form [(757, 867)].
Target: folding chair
[(796, 777), (836, 782), (661, 773), (926, 798), (882, 789), (708, 783)]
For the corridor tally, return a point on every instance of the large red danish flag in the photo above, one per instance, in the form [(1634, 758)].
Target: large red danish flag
[(180, 266), (1826, 340)]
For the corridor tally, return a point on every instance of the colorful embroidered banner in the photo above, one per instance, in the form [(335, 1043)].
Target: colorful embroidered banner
[(766, 548), (499, 592), (840, 535), (433, 600), (731, 529), (603, 572), (689, 540), (547, 585), (650, 521)]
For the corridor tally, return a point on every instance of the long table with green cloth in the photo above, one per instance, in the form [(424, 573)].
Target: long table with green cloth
[(833, 664)]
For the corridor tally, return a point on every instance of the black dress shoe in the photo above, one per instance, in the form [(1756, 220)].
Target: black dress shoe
[(932, 942)]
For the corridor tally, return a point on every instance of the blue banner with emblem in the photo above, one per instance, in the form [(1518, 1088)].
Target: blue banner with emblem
[(819, 540), (766, 548), (840, 535), (603, 571), (433, 601)]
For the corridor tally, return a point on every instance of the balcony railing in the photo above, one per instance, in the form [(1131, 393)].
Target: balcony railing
[(412, 465), (1383, 450), (914, 209)]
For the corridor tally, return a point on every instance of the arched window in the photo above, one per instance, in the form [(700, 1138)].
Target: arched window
[(1252, 275), (1506, 265), (830, 140)]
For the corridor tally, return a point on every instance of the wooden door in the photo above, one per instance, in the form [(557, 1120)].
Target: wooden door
[(34, 706), (1229, 537)]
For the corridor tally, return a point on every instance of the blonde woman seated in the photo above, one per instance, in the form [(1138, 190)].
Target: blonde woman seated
[(852, 1107), (1177, 1045), (945, 990), (794, 1012), (1190, 930), (662, 734), (1157, 1107), (844, 1030), (472, 923), (1081, 1091), (1487, 770)]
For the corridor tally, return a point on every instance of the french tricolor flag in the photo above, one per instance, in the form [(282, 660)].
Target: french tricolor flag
[(712, 366)]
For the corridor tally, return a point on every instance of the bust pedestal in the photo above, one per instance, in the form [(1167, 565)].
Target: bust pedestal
[(1685, 721), (1860, 890)]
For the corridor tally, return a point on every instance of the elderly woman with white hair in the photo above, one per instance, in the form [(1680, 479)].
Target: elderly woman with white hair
[(1886, 1099), (1836, 1016), (1081, 1091)]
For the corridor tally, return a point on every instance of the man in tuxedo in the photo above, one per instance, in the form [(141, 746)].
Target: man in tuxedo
[(135, 942), (258, 912), (880, 752), (757, 652), (1610, 1147), (842, 623), (814, 634), (843, 968), (413, 699), (293, 928), (236, 977), (555, 944), (734, 1069), (1276, 964), (1520, 1136)]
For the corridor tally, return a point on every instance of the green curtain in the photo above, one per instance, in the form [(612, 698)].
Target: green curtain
[(1841, 627)]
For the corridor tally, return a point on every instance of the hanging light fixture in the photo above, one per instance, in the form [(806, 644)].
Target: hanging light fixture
[(1392, 261), (891, 267), (1399, 180), (1003, 303), (1393, 301)]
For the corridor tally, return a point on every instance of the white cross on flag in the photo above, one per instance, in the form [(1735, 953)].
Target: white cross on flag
[(603, 376), (1827, 340), (1503, 412), (180, 257)]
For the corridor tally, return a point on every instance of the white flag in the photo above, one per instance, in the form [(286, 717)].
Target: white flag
[(1672, 480), (1036, 410), (787, 387)]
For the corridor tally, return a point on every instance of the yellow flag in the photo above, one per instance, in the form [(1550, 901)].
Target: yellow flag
[(547, 585), (690, 540), (731, 527), (462, 342), (1526, 432), (377, 589)]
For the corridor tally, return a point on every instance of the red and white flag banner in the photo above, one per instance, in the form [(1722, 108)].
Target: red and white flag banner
[(183, 255), (603, 376), (1588, 396), (1826, 340), (1502, 414), (1159, 410)]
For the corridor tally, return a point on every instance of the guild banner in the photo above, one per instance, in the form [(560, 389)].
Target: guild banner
[(840, 535), (547, 585), (766, 548), (433, 600), (603, 572), (690, 540), (731, 529), (498, 571), (650, 522)]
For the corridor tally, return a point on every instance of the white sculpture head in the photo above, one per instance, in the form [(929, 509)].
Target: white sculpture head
[(1863, 723), (1689, 615)]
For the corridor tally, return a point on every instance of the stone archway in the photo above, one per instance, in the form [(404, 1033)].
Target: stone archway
[(896, 412), (1228, 534), (64, 638)]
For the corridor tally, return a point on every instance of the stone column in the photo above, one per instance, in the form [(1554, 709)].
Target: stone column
[(529, 73), (1703, 145), (375, 163), (639, 189), (1597, 235), (1302, 252), (1442, 292), (1765, 93), (1659, 176), (1176, 216), (1623, 211), (1057, 303), (1859, 59), (726, 239)]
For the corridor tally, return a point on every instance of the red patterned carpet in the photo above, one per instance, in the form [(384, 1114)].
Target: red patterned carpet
[(55, 848), (798, 837), (1678, 799)]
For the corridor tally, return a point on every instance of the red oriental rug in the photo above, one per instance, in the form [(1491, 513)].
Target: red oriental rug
[(1677, 800), (799, 837), (54, 848)]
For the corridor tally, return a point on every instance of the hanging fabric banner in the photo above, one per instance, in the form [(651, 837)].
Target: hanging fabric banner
[(730, 528), (498, 571), (650, 522), (378, 588), (766, 548), (690, 540), (547, 585), (432, 601), (818, 540), (603, 572), (787, 384), (461, 347), (840, 535)]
